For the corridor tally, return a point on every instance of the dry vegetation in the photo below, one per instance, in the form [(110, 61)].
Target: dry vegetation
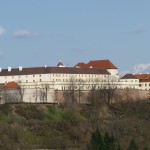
[(29, 126)]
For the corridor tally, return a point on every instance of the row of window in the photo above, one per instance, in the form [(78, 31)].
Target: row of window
[(40, 80), (62, 75), (130, 80), (146, 84), (78, 75), (80, 80), (20, 76)]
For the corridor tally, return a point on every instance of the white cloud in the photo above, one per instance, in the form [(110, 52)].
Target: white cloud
[(141, 68), (2, 31), (23, 33)]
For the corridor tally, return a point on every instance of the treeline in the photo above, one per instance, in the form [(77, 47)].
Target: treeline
[(108, 142)]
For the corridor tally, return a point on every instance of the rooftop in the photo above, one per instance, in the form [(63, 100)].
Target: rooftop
[(47, 70), (143, 77), (99, 64), (129, 76)]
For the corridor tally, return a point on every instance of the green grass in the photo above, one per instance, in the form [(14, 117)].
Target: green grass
[(57, 114)]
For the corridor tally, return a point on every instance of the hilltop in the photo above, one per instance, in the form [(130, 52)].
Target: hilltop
[(29, 126)]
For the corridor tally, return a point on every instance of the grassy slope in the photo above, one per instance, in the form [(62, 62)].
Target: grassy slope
[(43, 126)]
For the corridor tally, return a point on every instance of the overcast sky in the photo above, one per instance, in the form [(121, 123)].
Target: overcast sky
[(42, 32)]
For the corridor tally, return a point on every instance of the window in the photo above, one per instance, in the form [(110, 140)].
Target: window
[(26, 80), (33, 80), (40, 75), (33, 75), (40, 80)]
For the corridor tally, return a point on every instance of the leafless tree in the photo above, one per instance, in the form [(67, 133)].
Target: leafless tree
[(10, 96), (69, 94), (43, 93), (73, 92), (21, 90), (101, 93), (128, 93)]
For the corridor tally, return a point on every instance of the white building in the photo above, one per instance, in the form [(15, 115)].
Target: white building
[(38, 79), (144, 81), (129, 81)]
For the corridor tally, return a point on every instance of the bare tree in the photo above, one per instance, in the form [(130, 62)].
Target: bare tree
[(73, 92), (21, 90), (10, 96), (101, 93), (43, 93), (69, 94)]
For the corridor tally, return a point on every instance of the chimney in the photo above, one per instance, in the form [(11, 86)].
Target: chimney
[(20, 68), (45, 66), (0, 69), (9, 69)]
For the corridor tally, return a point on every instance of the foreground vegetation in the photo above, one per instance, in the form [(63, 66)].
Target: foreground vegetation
[(31, 126)]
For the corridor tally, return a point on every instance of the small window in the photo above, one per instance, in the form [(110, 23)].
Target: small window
[(26, 80), (40, 80), (40, 75), (33, 75), (33, 80)]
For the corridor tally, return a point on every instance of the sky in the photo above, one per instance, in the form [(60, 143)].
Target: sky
[(42, 32)]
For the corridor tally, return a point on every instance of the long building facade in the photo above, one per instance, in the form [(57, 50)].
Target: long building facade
[(83, 76), (59, 77)]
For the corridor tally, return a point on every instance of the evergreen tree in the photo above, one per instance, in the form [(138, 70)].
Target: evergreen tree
[(96, 141), (109, 142), (145, 148), (118, 147), (133, 145)]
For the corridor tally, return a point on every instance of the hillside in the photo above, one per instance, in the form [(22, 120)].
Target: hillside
[(31, 126)]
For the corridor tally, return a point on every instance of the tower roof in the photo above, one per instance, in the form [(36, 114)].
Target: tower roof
[(60, 64)]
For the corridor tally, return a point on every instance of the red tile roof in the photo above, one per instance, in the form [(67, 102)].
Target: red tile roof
[(100, 64), (143, 77), (11, 85)]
